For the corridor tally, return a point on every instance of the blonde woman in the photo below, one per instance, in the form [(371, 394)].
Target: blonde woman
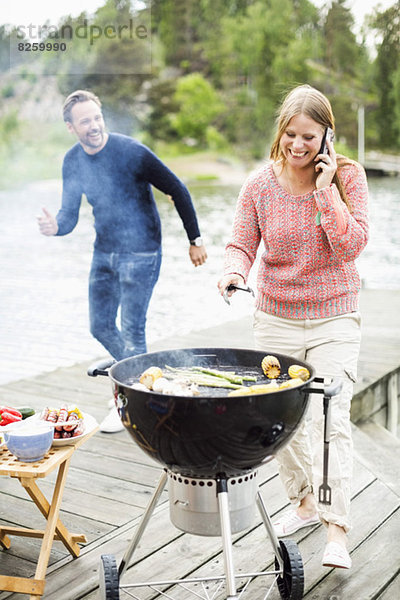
[(309, 209)]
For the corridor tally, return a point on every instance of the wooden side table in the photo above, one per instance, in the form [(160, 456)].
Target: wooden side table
[(27, 473)]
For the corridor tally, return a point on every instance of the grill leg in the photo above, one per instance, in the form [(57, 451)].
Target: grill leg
[(143, 524), (223, 505), (270, 529)]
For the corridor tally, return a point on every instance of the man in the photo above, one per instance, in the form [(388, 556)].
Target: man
[(116, 172)]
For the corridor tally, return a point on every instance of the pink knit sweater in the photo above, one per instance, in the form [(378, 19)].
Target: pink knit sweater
[(311, 241)]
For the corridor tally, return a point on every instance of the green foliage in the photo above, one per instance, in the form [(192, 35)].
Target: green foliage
[(214, 139), (387, 23), (198, 104), (9, 127), (162, 103), (219, 71), (31, 153), (342, 53), (264, 50), (8, 91), (396, 102)]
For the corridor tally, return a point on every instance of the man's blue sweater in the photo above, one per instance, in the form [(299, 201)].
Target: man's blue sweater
[(117, 183)]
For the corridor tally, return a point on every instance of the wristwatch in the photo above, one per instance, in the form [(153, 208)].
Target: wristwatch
[(196, 242)]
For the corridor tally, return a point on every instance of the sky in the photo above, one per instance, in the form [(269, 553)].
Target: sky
[(20, 12), (23, 12)]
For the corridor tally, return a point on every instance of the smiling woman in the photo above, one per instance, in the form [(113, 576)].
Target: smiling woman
[(299, 143), (310, 210)]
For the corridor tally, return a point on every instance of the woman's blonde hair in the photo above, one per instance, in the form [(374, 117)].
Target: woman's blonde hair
[(309, 101)]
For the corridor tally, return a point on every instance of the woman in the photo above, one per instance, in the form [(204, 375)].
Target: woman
[(310, 211)]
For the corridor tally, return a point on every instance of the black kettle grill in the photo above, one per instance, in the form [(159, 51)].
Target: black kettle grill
[(210, 447)]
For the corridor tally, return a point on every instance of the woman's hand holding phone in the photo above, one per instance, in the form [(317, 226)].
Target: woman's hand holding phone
[(326, 161)]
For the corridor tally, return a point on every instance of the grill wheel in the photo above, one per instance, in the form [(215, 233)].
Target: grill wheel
[(108, 578), (291, 583)]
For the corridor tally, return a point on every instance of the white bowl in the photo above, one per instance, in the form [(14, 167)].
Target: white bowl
[(29, 442)]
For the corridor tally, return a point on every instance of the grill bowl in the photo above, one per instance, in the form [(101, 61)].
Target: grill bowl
[(206, 435)]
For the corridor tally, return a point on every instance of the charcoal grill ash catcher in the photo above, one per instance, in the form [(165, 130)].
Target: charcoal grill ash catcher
[(210, 447)]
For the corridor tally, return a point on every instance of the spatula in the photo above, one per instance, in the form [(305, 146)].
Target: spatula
[(324, 490)]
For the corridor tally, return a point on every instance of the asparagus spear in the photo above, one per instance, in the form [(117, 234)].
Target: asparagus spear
[(201, 378), (228, 375)]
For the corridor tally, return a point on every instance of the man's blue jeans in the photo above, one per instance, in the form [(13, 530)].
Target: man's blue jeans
[(126, 280)]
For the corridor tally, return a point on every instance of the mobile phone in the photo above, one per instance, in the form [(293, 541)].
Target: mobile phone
[(328, 133)]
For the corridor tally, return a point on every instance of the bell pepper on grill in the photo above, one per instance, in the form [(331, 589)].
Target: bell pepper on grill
[(9, 415)]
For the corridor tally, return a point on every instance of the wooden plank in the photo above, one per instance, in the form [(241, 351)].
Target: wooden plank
[(19, 584), (157, 541), (112, 490), (12, 467), (392, 591), (28, 550), (23, 513), (375, 562), (118, 468), (120, 446), (16, 567), (382, 462), (381, 436), (110, 511), (252, 552), (322, 582)]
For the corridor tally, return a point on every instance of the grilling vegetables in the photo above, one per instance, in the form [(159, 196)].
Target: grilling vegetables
[(272, 369), (296, 371), (271, 366), (149, 376), (185, 381), (262, 388), (209, 377)]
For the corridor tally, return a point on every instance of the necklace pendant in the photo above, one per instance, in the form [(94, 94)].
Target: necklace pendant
[(318, 218)]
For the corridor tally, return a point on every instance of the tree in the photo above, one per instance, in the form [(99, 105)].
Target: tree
[(342, 53), (112, 64), (265, 49), (198, 104), (387, 25)]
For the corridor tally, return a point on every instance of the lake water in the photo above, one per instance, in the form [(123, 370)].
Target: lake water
[(44, 313)]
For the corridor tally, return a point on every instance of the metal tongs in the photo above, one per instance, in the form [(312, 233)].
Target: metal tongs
[(232, 286)]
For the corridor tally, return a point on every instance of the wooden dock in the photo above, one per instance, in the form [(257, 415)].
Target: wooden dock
[(111, 480), (378, 163)]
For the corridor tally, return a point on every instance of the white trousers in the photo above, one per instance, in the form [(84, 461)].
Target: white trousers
[(332, 347)]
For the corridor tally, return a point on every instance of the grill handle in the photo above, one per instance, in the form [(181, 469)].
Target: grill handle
[(332, 389), (100, 368)]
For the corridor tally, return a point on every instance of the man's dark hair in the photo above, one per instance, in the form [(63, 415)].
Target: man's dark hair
[(74, 98)]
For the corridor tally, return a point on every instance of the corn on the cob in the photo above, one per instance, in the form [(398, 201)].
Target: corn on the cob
[(266, 388), (242, 391), (295, 371), (291, 383), (263, 388), (149, 376), (271, 366)]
